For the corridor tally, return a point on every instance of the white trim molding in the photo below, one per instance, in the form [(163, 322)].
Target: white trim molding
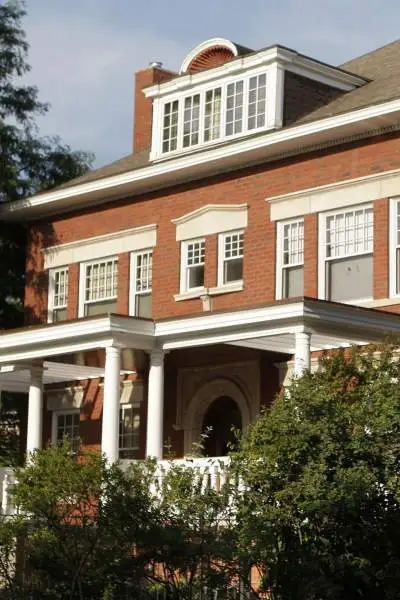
[(211, 219), (335, 195), (127, 240)]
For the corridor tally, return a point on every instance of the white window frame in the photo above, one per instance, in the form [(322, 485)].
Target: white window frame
[(221, 258), (273, 109), (322, 258), (393, 246), (54, 421), (133, 282), (82, 284), (280, 266), (184, 289), (133, 406), (52, 290)]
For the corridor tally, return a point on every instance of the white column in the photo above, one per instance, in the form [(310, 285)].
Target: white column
[(155, 405), (110, 423), (35, 410), (302, 355)]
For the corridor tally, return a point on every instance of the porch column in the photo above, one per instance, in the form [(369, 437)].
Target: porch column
[(155, 405), (111, 398), (35, 410), (302, 354)]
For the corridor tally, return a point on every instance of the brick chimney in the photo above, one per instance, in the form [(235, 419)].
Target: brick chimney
[(155, 73)]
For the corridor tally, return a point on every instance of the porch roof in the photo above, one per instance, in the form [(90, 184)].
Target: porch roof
[(268, 327)]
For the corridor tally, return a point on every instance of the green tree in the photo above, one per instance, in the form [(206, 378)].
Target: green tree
[(86, 526), (28, 163), (320, 515)]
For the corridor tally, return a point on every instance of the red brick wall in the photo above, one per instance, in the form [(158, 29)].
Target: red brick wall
[(252, 186), (143, 109), (311, 255), (381, 248)]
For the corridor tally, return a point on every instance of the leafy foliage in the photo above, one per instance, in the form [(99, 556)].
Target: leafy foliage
[(321, 514)]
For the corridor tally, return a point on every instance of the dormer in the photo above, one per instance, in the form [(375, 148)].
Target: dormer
[(225, 92)]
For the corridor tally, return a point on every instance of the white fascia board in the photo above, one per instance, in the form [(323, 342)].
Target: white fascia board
[(228, 320), (315, 69), (63, 338), (118, 242), (333, 196), (285, 138)]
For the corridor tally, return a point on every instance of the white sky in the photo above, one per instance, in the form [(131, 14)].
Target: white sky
[(84, 52)]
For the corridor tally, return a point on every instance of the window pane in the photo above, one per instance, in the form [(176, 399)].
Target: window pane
[(170, 130), (293, 282), (101, 285), (349, 278), (129, 431), (60, 297), (59, 314), (100, 308), (349, 233), (293, 243), (67, 427), (143, 306), (257, 101), (191, 121), (233, 270), (212, 115), (195, 277), (234, 112)]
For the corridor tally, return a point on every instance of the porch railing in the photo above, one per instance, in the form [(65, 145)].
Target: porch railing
[(212, 473)]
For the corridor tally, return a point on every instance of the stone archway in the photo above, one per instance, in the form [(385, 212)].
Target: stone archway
[(201, 402)]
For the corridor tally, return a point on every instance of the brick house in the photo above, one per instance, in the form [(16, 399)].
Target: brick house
[(257, 221)]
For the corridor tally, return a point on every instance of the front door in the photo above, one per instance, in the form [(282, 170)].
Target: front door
[(219, 424)]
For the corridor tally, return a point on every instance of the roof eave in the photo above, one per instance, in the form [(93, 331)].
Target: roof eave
[(270, 146)]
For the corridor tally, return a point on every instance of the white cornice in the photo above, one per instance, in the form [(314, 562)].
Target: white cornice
[(211, 219), (285, 57), (290, 140), (335, 195), (101, 246), (209, 208)]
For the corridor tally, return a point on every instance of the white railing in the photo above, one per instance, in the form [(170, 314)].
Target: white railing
[(212, 473), (7, 480)]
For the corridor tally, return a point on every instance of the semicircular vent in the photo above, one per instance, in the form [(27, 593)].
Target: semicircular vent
[(211, 57)]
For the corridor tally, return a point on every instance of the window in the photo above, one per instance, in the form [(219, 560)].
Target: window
[(347, 255), (100, 286), (129, 431), (290, 255), (58, 294), (141, 284), (191, 121), (257, 101), (66, 426), (236, 107), (192, 270), (230, 258), (212, 115), (394, 263), (170, 126)]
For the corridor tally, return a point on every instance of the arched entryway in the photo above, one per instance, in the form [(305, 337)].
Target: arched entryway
[(219, 403), (221, 420)]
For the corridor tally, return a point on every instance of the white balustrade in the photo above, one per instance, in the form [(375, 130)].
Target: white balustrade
[(7, 480)]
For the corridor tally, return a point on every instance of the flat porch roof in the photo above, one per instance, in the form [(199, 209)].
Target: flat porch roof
[(270, 327)]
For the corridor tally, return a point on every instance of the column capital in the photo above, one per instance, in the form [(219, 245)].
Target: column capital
[(113, 350), (157, 356)]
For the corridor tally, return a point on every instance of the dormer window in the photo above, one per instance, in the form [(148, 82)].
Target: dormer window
[(236, 107)]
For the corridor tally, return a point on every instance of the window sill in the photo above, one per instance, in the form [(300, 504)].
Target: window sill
[(190, 295), (237, 286)]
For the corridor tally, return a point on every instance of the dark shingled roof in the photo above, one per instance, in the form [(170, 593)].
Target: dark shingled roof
[(381, 66)]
